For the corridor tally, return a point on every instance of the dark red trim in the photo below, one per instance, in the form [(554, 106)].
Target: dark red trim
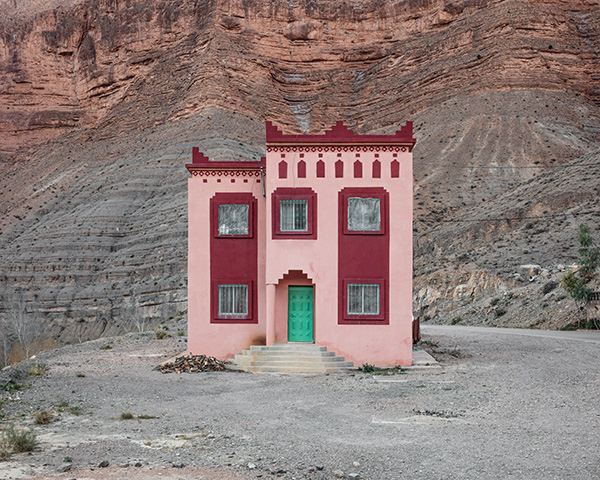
[(285, 193), (283, 169), (301, 169), (376, 192), (234, 259), (320, 169), (339, 169), (395, 166), (383, 304), (358, 169), (202, 162), (363, 256), (214, 303), (376, 169), (339, 133)]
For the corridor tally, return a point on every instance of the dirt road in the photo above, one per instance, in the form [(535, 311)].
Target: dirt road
[(505, 404)]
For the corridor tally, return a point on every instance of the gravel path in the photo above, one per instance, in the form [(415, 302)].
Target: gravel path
[(504, 405)]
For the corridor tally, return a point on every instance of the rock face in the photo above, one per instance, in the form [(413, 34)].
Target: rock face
[(101, 102)]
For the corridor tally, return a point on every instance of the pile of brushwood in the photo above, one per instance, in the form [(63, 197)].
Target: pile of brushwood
[(192, 364)]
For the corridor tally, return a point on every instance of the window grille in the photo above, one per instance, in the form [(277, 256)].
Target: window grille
[(364, 214), (363, 298), (233, 300), (233, 219), (293, 215)]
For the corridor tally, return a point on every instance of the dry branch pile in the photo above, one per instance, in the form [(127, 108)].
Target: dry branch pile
[(192, 364)]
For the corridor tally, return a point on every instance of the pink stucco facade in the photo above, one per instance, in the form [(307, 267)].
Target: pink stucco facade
[(328, 169)]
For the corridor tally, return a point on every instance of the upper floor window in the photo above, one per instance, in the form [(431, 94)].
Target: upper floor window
[(234, 219), (363, 211), (294, 213), (364, 214)]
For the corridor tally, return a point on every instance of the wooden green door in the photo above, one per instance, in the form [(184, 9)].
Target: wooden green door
[(300, 314)]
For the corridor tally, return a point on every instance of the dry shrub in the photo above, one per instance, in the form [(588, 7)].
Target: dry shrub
[(43, 417), (18, 440)]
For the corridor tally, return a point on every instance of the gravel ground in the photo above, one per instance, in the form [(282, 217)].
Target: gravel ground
[(505, 404)]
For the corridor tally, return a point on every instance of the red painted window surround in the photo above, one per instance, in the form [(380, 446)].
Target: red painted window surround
[(234, 259), (294, 194), (301, 169), (381, 317), (375, 192), (363, 257), (214, 301)]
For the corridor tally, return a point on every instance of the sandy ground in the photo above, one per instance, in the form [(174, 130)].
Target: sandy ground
[(505, 404)]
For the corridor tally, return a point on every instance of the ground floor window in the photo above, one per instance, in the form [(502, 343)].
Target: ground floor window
[(364, 298), (233, 300)]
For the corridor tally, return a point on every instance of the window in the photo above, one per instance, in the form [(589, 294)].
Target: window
[(364, 214), (363, 298), (363, 301), (363, 211), (233, 219), (232, 215), (293, 215), (233, 300)]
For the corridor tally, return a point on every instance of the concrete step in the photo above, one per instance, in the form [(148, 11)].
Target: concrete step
[(331, 361), (295, 357), (285, 353), (289, 346)]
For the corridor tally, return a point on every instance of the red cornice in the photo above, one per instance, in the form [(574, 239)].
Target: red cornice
[(200, 162), (339, 134)]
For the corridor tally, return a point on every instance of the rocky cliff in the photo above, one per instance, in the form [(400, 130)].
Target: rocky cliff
[(102, 100)]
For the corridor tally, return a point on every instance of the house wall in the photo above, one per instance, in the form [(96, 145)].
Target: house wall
[(221, 340), (377, 344)]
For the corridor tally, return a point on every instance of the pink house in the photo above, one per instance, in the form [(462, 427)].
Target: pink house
[(313, 244)]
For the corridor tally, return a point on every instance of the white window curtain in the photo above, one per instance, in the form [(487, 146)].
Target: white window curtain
[(233, 219), (364, 214), (293, 215), (233, 299), (363, 298)]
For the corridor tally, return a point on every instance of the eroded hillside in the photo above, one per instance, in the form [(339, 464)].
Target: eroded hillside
[(101, 102)]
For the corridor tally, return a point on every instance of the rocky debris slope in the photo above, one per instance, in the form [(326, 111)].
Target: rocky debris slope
[(101, 102)]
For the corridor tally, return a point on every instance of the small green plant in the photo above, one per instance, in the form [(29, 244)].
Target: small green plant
[(43, 417), (500, 312), (37, 370), (494, 301), (368, 368), (180, 333), (68, 460), (12, 386), (127, 416), (456, 320), (106, 347), (19, 440), (147, 417), (75, 410), (81, 375)]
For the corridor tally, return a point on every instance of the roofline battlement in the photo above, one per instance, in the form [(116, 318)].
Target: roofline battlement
[(340, 134)]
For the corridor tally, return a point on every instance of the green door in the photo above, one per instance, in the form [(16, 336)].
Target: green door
[(300, 314)]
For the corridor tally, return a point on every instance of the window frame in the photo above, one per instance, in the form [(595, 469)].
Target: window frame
[(216, 203), (311, 212), (218, 318), (366, 193), (364, 319), (281, 201)]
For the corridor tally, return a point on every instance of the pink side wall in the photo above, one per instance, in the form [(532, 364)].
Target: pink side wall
[(206, 338), (375, 344)]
